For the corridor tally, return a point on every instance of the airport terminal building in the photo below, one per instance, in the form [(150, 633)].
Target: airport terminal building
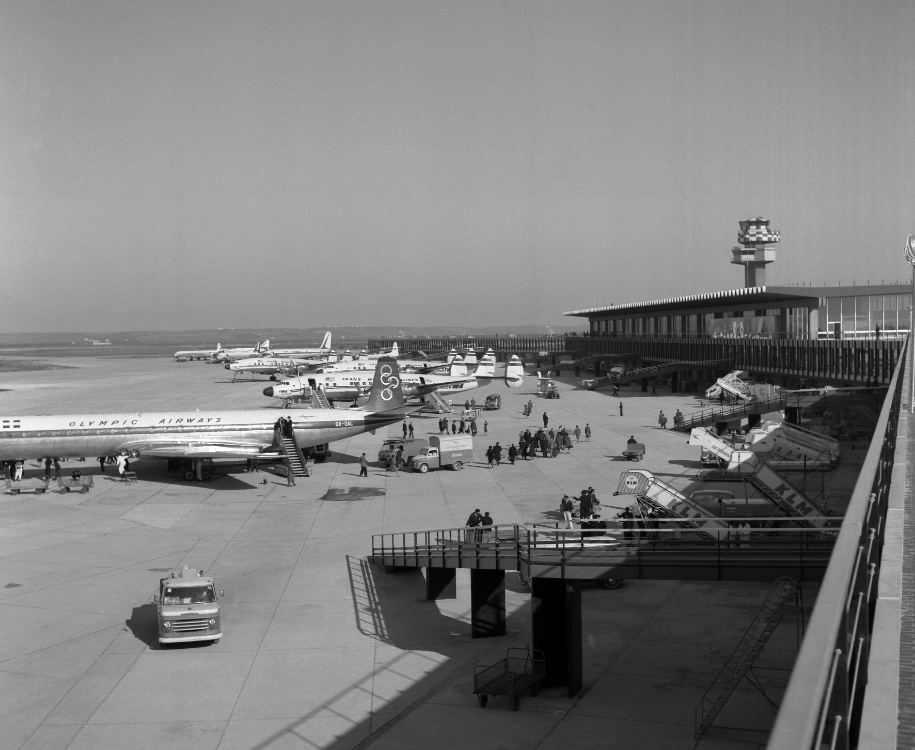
[(767, 312)]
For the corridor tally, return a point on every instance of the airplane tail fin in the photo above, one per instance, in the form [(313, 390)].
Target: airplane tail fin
[(486, 368), (452, 355), (458, 368), (470, 358), (395, 350), (514, 372), (387, 391), (325, 344)]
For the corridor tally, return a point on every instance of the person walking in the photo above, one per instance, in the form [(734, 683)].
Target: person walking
[(122, 464), (530, 407), (56, 462), (101, 463), (404, 429), (489, 456), (512, 454), (363, 466), (654, 389), (398, 459), (584, 505), (473, 427), (662, 421), (546, 420), (461, 425), (616, 389), (577, 433), (453, 427), (621, 408), (485, 427), (47, 469), (587, 433), (410, 430), (466, 405), (497, 453), (566, 506)]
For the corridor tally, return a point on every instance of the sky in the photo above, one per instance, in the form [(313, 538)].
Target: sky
[(176, 165)]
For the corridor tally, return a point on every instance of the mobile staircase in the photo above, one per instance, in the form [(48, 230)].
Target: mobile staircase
[(295, 459), (740, 663), (319, 399), (436, 404)]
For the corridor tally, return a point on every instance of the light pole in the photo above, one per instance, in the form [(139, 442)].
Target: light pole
[(910, 257)]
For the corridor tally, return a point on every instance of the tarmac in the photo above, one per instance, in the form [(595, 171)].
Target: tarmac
[(321, 649)]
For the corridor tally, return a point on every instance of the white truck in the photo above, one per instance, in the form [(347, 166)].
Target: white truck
[(444, 450), (188, 608)]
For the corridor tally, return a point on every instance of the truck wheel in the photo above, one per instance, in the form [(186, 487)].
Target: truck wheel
[(319, 459), (457, 466), (423, 468), (611, 583)]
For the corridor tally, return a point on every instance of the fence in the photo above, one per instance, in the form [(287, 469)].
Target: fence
[(824, 699)]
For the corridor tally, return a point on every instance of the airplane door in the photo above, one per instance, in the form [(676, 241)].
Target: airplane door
[(312, 382)]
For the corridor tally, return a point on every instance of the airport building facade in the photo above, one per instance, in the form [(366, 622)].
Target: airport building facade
[(811, 313)]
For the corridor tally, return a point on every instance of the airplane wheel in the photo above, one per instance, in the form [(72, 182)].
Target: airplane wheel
[(189, 475), (611, 583), (320, 459), (206, 475)]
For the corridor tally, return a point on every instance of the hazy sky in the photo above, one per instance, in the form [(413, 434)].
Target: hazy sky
[(193, 164)]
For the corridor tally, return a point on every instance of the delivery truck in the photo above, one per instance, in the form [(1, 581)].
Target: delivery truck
[(444, 450)]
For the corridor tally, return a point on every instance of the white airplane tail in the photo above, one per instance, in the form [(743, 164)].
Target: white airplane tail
[(486, 368), (395, 351), (514, 372), (458, 368), (325, 343), (470, 358), (452, 355)]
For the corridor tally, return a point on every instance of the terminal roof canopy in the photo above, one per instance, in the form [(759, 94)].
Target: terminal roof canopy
[(761, 296)]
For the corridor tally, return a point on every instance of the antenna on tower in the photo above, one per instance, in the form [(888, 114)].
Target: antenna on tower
[(752, 253)]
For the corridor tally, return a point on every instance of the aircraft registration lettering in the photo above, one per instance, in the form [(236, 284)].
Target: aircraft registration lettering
[(343, 424)]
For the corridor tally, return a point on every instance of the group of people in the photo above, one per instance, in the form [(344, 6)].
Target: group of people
[(528, 408), (550, 443), (588, 507), (478, 527), (283, 427), (14, 469), (494, 455), (463, 425)]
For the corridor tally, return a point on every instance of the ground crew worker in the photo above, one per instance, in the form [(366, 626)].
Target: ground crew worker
[(577, 433), (363, 467), (587, 432)]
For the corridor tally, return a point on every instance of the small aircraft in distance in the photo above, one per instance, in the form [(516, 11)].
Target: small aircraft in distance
[(193, 436), (231, 355), (324, 348), (192, 354)]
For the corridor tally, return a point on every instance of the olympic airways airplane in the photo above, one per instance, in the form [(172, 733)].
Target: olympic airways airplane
[(350, 386), (197, 435)]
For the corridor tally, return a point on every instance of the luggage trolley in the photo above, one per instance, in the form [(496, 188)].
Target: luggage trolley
[(521, 669)]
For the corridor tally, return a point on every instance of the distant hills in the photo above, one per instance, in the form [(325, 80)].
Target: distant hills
[(343, 336)]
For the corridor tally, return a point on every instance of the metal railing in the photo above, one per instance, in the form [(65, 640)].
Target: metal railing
[(658, 543), (823, 702)]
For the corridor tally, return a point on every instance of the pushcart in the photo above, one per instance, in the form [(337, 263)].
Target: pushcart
[(634, 451), (520, 670)]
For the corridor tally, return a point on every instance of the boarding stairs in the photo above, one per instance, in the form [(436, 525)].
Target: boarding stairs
[(319, 399), (740, 663), (295, 459), (727, 412), (649, 508), (436, 404), (731, 383)]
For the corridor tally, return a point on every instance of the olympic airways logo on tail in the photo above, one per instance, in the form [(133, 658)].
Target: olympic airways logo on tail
[(389, 380)]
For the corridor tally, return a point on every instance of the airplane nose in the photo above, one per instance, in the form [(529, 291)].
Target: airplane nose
[(268, 391), (226, 366)]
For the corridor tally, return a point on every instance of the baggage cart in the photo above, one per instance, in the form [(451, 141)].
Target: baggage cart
[(634, 451), (521, 669)]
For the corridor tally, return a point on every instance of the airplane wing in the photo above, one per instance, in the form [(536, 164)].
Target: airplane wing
[(172, 448)]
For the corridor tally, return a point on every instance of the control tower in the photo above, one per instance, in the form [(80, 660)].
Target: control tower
[(753, 254)]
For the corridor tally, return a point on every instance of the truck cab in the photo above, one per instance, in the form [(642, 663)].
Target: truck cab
[(188, 608)]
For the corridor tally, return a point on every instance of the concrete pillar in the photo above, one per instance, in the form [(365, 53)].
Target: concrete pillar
[(675, 382), (813, 322), (487, 603), (556, 620), (791, 415), (441, 583), (783, 323), (644, 385), (558, 371), (597, 369), (753, 420), (553, 359)]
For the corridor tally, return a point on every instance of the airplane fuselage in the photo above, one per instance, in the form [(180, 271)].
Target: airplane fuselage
[(175, 434), (348, 386)]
